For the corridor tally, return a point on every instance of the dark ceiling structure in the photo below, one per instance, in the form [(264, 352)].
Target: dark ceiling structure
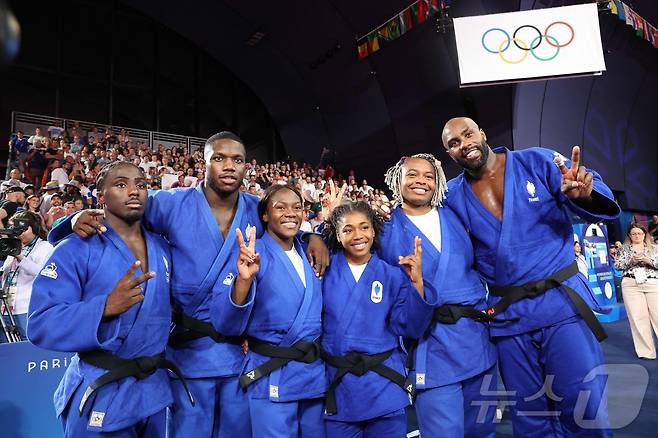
[(300, 59)]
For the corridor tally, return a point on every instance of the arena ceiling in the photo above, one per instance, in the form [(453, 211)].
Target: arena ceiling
[(306, 72)]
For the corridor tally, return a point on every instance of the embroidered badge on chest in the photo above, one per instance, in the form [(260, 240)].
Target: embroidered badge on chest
[(532, 191), (96, 419), (376, 292), (228, 280), (50, 271)]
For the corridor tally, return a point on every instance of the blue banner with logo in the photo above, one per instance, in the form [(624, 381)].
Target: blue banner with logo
[(593, 239), (28, 378)]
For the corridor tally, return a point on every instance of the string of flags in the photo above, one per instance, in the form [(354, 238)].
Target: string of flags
[(412, 16), (643, 29)]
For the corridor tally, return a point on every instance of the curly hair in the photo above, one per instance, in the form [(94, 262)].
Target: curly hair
[(393, 179), (331, 228)]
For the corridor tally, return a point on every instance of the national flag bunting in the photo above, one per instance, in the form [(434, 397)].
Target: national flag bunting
[(643, 29), (417, 13)]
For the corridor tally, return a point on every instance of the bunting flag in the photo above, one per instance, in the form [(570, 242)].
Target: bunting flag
[(620, 10), (405, 21), (643, 29), (416, 14), (653, 32)]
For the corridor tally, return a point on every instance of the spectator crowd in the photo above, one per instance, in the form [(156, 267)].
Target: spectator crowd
[(54, 173)]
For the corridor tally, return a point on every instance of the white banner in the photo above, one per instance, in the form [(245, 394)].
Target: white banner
[(536, 44)]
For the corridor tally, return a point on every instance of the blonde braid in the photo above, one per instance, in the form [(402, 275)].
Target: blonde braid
[(393, 179)]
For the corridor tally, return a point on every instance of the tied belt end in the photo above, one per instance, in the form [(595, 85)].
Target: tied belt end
[(193, 329), (359, 364), (451, 313), (119, 368), (511, 294), (300, 351)]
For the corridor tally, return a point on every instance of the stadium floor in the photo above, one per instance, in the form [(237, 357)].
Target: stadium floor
[(625, 388)]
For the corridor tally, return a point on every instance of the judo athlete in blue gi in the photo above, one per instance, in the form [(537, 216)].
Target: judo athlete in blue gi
[(515, 205), (277, 301), (454, 360), (107, 298), (198, 223), (367, 306)]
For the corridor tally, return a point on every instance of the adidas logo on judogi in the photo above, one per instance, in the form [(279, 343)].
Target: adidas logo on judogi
[(50, 271)]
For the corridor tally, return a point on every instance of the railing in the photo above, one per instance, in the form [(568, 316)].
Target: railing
[(27, 123)]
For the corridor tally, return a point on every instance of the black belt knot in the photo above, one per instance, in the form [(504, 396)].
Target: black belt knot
[(147, 365), (301, 351), (511, 294), (119, 368), (359, 364)]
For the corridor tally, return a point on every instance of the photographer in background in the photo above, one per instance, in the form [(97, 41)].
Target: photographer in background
[(19, 271), (15, 198)]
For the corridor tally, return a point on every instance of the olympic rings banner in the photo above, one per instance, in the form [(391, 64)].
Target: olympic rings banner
[(527, 45)]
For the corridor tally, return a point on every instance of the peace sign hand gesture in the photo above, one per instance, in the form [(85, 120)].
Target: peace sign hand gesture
[(413, 266), (334, 199), (577, 182), (248, 260), (126, 292)]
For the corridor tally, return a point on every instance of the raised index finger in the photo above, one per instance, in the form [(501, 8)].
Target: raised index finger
[(252, 239), (575, 158), (417, 246)]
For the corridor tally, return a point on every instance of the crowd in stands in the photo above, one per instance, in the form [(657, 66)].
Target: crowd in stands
[(54, 173)]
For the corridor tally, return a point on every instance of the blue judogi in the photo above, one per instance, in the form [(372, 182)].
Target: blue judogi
[(533, 241), (200, 254), (452, 361), (369, 316), (66, 314), (279, 311)]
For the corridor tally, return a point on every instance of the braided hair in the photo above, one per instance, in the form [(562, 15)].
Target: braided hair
[(331, 228), (393, 179)]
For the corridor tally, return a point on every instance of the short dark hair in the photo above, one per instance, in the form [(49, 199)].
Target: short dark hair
[(271, 190), (331, 226), (102, 175), (223, 135)]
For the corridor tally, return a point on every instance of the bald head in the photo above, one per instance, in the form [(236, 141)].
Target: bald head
[(466, 143), (457, 125)]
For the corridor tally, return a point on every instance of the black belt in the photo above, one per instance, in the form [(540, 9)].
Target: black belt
[(512, 294), (300, 351), (451, 313), (119, 368), (195, 329), (359, 364)]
